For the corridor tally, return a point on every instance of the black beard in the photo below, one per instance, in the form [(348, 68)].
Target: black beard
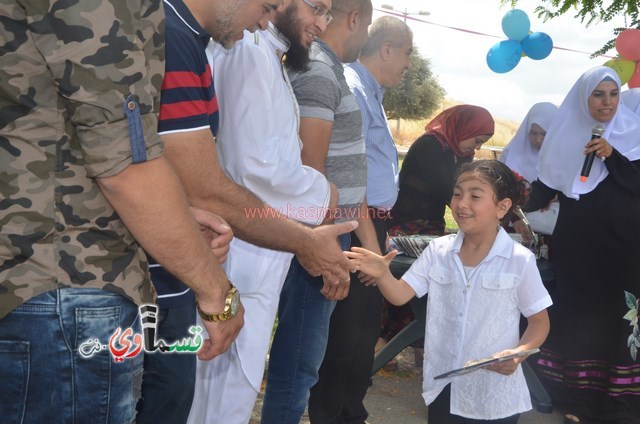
[(297, 57)]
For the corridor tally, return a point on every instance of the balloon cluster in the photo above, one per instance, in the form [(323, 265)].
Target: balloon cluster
[(505, 55), (627, 66)]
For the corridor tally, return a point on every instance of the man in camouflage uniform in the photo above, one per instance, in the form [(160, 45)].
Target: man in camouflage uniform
[(83, 181)]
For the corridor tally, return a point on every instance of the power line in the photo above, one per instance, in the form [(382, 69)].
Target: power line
[(407, 16)]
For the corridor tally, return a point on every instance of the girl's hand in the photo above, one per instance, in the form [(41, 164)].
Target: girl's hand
[(370, 263), (367, 279), (521, 228), (507, 367)]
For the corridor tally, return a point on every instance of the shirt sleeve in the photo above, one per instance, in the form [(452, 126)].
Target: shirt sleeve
[(432, 169), (625, 172), (364, 109), (532, 295), (188, 101), (317, 91), (418, 274), (108, 70), (256, 151)]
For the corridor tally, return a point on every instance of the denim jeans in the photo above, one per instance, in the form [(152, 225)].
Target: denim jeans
[(44, 378), (169, 378), (298, 345)]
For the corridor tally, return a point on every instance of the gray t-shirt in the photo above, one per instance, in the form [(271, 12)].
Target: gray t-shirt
[(322, 92)]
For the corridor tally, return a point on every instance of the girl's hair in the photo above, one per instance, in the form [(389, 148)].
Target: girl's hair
[(505, 182)]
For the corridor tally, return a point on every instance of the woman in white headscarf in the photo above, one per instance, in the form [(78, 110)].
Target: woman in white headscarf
[(631, 99), (591, 362), (521, 155)]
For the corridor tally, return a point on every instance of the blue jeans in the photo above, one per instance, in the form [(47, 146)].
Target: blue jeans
[(298, 345), (169, 378), (44, 378)]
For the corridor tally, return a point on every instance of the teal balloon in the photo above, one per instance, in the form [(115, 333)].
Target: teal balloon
[(537, 45), (516, 24), (504, 56)]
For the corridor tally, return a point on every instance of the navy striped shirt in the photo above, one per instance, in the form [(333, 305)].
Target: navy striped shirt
[(187, 103)]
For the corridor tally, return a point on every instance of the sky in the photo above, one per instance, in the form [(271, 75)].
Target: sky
[(458, 59)]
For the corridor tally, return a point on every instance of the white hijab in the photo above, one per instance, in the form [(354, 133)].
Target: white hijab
[(631, 99), (520, 155), (561, 156)]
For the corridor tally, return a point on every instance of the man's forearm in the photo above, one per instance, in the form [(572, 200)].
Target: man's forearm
[(149, 199), (209, 188)]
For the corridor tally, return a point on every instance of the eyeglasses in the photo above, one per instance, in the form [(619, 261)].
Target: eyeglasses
[(320, 11)]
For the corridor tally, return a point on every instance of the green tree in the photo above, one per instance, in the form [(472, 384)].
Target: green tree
[(418, 95), (590, 11)]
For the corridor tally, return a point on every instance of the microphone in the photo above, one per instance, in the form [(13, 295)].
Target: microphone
[(596, 132)]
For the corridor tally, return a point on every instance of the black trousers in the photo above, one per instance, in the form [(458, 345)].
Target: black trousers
[(438, 412), (344, 376)]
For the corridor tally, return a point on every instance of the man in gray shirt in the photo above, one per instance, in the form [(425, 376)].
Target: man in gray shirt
[(331, 133)]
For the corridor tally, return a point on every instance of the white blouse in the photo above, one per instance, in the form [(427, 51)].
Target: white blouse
[(469, 319)]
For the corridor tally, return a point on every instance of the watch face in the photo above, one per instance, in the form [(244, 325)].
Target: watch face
[(235, 302)]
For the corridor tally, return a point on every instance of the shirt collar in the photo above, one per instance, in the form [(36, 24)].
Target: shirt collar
[(367, 79), (185, 15), (502, 245), (278, 39), (325, 48)]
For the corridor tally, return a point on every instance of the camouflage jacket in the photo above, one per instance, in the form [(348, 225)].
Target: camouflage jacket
[(79, 84)]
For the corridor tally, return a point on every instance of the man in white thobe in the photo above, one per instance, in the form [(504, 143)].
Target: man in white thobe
[(259, 148)]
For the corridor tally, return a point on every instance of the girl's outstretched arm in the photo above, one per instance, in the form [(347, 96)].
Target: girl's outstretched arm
[(533, 337), (398, 292)]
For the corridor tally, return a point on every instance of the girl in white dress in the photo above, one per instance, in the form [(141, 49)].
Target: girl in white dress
[(479, 282)]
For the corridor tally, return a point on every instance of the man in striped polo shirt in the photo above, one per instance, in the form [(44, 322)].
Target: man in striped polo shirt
[(188, 124)]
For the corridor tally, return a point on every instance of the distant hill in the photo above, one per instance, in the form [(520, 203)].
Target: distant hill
[(410, 130)]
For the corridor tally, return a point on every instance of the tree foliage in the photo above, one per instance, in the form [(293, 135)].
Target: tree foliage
[(419, 93), (590, 11)]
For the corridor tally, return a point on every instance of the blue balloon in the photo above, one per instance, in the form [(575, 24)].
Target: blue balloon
[(504, 56), (515, 24), (537, 45)]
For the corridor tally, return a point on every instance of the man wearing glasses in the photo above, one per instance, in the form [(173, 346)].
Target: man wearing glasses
[(331, 133), (259, 149)]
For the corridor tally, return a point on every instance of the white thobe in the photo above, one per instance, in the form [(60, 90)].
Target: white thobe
[(259, 148)]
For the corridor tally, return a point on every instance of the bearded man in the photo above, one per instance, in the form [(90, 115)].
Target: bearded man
[(259, 149)]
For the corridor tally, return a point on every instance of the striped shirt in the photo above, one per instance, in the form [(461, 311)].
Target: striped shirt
[(188, 99), (322, 92), (187, 103), (382, 156)]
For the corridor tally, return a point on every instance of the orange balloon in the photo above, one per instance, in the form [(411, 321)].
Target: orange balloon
[(628, 44)]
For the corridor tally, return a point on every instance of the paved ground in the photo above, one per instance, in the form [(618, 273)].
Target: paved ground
[(395, 398)]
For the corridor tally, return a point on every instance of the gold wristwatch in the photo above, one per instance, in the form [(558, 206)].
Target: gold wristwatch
[(231, 303)]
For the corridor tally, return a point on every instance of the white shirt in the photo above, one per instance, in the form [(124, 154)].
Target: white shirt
[(258, 141), (474, 318)]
